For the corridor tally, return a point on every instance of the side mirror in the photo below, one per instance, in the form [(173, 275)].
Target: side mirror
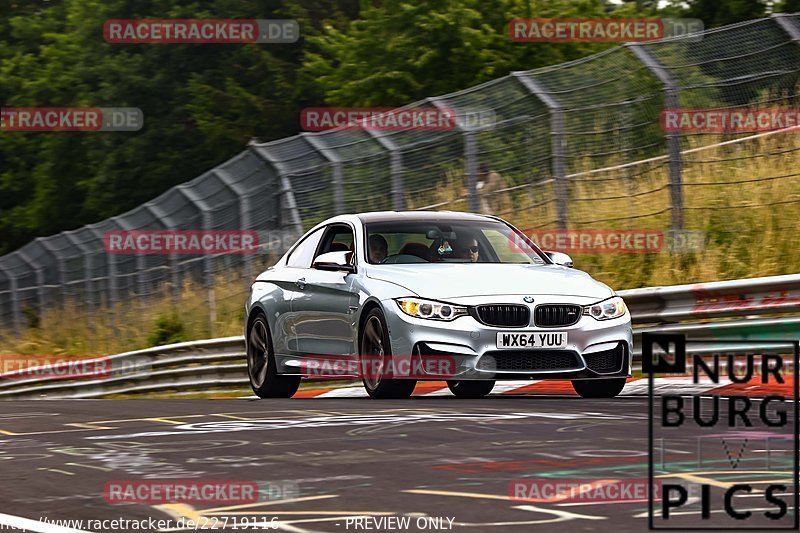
[(336, 261), (560, 259)]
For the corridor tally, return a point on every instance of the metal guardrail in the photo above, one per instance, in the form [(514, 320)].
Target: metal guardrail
[(774, 294), (725, 310)]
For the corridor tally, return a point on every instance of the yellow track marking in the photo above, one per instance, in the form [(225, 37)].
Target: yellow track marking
[(88, 425), (222, 510), (462, 494), (56, 470), (165, 421), (92, 466)]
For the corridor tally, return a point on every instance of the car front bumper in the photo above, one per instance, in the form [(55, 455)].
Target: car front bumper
[(466, 348)]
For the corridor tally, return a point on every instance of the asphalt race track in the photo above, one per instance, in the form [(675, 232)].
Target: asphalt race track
[(437, 457)]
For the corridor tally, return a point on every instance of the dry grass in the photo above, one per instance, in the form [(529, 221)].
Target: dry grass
[(741, 241)]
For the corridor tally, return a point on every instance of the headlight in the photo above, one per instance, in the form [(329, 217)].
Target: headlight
[(607, 309), (419, 308)]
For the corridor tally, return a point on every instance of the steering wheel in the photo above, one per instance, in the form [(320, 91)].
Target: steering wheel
[(402, 258)]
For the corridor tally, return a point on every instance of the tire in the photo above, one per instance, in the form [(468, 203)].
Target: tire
[(375, 347), (598, 388), (471, 389), (261, 368)]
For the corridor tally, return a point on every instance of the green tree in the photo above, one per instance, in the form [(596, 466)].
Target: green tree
[(397, 51), (201, 103), (721, 12)]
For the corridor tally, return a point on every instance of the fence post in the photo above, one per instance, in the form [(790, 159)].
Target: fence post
[(140, 268), (558, 143), (208, 261), (470, 156), (15, 311), (338, 179), (111, 292), (39, 279), (87, 281), (244, 212), (59, 261), (169, 223), (671, 90), (285, 192), (395, 169), (782, 20), (471, 164)]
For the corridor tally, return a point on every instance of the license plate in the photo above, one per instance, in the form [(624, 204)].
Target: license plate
[(532, 339)]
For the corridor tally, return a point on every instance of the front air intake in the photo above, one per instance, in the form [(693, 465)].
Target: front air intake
[(557, 315), (504, 316)]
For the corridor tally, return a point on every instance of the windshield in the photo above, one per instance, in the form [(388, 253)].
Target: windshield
[(435, 241)]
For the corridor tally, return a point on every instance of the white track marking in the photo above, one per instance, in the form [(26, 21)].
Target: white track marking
[(506, 386), (344, 392)]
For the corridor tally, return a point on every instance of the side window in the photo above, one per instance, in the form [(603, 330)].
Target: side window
[(338, 238), (302, 255)]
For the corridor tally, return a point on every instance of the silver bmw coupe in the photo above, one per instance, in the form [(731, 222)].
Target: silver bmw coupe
[(393, 298)]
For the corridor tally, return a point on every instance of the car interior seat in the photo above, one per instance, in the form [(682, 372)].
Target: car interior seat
[(416, 248)]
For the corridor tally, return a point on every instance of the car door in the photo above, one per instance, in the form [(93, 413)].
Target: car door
[(324, 306), (291, 278)]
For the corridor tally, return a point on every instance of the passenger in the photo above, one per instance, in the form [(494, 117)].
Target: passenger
[(471, 250), (378, 248)]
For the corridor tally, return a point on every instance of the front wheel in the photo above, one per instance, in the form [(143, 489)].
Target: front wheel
[(598, 388), (376, 360), (471, 389), (261, 368)]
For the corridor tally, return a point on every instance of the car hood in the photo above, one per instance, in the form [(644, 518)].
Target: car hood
[(443, 281)]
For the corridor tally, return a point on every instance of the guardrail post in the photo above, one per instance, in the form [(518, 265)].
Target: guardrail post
[(671, 90), (558, 143), (208, 261), (782, 20)]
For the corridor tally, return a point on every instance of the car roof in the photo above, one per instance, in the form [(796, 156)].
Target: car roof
[(396, 216)]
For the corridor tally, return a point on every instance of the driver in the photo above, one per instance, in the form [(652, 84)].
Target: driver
[(378, 248)]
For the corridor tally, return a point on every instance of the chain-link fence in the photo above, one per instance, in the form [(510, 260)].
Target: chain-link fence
[(575, 145)]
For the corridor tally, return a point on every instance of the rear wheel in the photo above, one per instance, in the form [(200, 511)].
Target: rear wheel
[(598, 388), (376, 358), (471, 389), (261, 368)]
